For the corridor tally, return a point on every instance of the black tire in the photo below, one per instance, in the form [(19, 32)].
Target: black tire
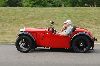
[(24, 44), (81, 44)]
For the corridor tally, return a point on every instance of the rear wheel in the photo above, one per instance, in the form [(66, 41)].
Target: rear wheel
[(81, 44), (24, 44)]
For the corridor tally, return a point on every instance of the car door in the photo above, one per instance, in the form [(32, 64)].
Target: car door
[(43, 38), (58, 41)]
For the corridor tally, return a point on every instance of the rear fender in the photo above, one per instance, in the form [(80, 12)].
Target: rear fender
[(83, 34)]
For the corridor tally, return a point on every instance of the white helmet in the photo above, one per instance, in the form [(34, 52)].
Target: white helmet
[(68, 22)]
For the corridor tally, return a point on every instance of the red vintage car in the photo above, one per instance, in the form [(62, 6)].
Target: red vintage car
[(80, 40)]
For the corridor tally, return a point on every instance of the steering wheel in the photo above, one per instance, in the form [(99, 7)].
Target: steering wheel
[(51, 30)]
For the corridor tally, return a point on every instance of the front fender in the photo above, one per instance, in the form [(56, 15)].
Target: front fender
[(30, 36), (26, 34)]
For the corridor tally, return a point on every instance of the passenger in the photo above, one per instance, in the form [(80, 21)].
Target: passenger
[(67, 28)]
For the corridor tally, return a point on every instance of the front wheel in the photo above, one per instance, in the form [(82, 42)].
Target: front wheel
[(23, 44), (81, 44)]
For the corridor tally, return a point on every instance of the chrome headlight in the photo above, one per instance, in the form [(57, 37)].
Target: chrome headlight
[(22, 30)]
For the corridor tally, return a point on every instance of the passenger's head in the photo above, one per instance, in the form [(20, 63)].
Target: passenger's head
[(67, 23)]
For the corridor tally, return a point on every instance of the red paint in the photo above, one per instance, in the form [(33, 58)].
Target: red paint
[(45, 38)]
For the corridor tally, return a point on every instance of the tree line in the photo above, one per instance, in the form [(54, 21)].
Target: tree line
[(50, 3)]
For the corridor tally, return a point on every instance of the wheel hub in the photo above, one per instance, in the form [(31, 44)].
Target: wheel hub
[(23, 45), (81, 45)]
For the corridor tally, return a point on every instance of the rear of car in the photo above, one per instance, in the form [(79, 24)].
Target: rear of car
[(82, 40)]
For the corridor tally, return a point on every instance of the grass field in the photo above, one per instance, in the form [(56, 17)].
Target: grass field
[(12, 19)]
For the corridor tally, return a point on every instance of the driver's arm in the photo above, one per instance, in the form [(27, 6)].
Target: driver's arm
[(63, 29), (67, 31), (63, 34)]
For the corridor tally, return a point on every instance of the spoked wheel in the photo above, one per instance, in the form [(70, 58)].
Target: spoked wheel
[(23, 44), (81, 44)]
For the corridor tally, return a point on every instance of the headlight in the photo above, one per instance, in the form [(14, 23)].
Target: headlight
[(22, 30)]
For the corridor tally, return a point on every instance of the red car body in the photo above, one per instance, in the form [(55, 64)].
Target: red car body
[(45, 38), (50, 39)]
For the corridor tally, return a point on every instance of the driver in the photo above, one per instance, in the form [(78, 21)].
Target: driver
[(67, 28)]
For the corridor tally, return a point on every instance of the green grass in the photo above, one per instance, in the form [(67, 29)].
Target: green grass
[(12, 19)]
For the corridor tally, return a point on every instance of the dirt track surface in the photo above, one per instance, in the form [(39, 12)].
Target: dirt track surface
[(9, 56)]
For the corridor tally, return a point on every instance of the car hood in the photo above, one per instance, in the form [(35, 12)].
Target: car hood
[(36, 29)]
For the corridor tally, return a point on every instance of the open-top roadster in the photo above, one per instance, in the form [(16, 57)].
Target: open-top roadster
[(80, 40)]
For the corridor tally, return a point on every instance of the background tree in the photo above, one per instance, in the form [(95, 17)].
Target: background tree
[(97, 3), (13, 3), (2, 2), (50, 3)]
